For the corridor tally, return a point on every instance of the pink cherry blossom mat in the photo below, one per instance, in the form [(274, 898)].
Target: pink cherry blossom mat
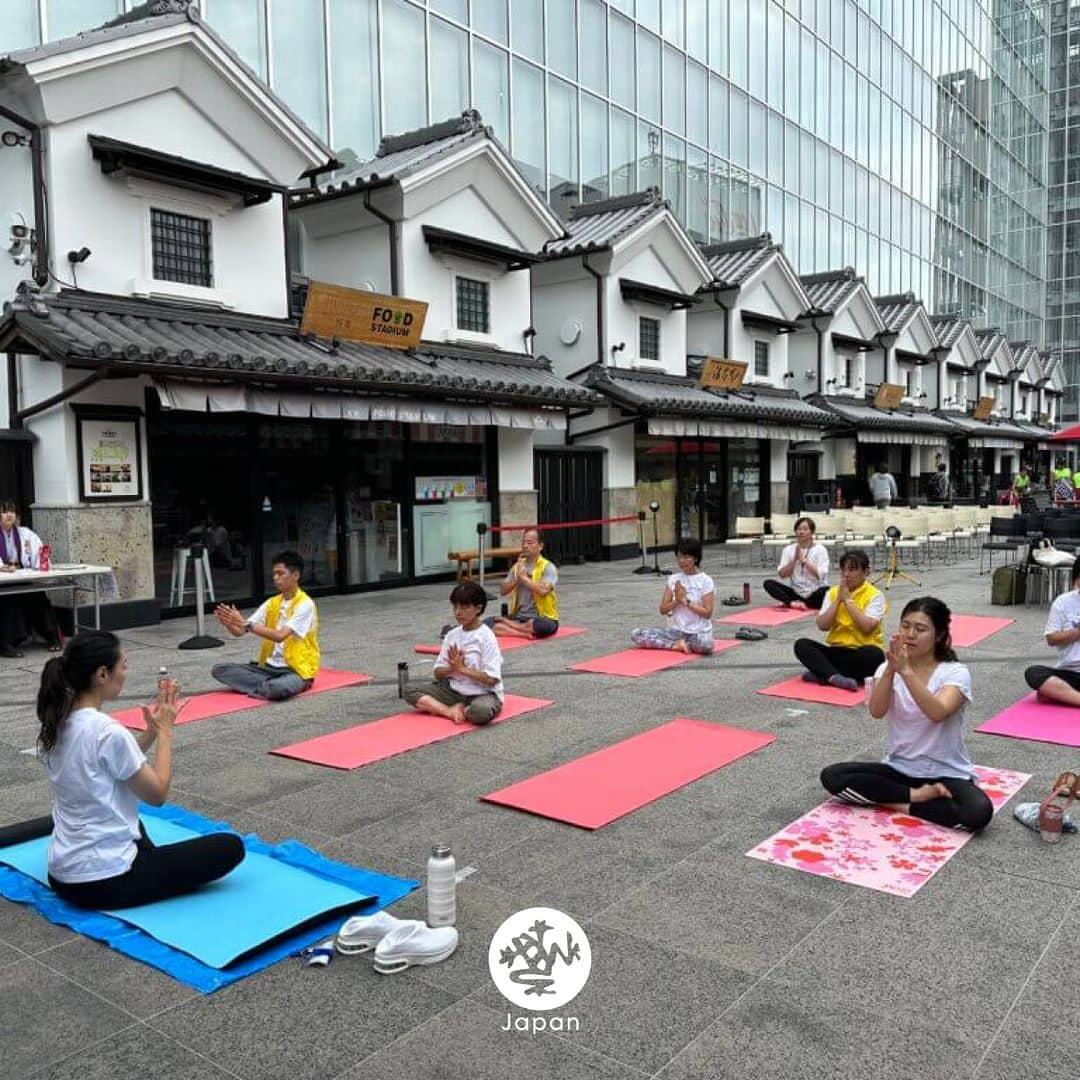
[(874, 847)]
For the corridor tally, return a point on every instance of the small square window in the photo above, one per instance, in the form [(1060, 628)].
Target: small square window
[(181, 248), (648, 339), (761, 359), (473, 305)]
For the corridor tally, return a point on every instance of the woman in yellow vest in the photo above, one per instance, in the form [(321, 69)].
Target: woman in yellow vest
[(288, 625), (852, 615), (533, 611)]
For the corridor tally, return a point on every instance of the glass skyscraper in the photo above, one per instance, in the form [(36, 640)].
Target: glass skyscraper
[(906, 138)]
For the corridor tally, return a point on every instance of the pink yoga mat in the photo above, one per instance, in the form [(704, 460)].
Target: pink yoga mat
[(874, 847), (1038, 720), (797, 690), (508, 644), (633, 663), (361, 745), (777, 615), (968, 630), (594, 790), (221, 702)]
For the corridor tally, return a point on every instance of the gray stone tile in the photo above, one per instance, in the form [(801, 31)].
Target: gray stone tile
[(130, 985), (1045, 1061), (775, 1034), (246, 780), (301, 1023), (467, 1041), (46, 1017), (134, 1054), (24, 929)]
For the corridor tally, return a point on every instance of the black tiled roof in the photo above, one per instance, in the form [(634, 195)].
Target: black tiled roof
[(88, 329), (896, 311), (658, 394), (862, 414), (948, 329), (1001, 429), (733, 261), (596, 226), (830, 289)]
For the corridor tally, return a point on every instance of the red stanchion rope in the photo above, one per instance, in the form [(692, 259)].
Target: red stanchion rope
[(564, 524)]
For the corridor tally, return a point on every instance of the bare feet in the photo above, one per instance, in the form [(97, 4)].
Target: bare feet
[(680, 646), (457, 714), (930, 791)]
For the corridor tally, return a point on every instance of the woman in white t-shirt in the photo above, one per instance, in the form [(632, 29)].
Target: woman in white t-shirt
[(1062, 683), (688, 603), (100, 855), (804, 568), (922, 692)]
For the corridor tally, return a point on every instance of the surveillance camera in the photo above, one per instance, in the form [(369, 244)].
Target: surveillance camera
[(79, 256), (21, 257), (19, 232)]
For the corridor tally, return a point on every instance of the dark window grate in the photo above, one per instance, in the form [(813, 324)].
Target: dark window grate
[(181, 246), (472, 306), (761, 359), (648, 339)]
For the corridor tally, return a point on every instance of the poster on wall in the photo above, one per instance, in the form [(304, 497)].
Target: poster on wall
[(110, 453)]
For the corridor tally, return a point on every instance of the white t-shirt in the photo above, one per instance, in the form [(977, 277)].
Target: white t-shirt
[(299, 623), (916, 745), (802, 581), (29, 552), (1065, 615), (697, 586), (482, 653), (95, 814)]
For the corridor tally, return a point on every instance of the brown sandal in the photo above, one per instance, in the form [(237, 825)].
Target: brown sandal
[(1052, 812)]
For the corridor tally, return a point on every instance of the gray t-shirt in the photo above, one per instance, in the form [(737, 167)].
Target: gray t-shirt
[(526, 599), (919, 747), (882, 486)]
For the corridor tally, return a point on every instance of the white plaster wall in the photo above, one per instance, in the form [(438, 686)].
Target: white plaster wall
[(802, 358), (827, 465), (357, 257), (778, 452), (705, 330), (515, 459), (617, 443), (742, 349), (559, 302), (110, 215)]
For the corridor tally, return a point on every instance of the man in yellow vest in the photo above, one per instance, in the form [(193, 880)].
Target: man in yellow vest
[(853, 616), (533, 611), (288, 625)]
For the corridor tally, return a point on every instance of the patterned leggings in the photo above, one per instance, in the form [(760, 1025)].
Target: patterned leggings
[(655, 637)]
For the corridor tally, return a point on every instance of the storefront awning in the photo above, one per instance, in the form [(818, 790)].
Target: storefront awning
[(233, 397), (729, 429), (908, 427), (987, 435), (902, 438), (122, 336)]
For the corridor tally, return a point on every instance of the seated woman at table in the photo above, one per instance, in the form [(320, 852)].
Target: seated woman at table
[(852, 617), (1061, 684), (20, 548), (100, 855), (922, 693)]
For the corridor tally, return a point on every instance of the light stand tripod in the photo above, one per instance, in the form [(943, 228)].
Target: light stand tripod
[(654, 507), (892, 569)]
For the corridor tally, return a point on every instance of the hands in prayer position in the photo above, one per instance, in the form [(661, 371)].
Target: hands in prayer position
[(232, 619)]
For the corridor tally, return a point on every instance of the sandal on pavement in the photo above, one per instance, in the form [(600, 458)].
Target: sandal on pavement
[(1028, 814), (750, 633), (1052, 812), (414, 943), (733, 601)]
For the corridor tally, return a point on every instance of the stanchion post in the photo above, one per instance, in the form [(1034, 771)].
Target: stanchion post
[(642, 569), (481, 532), (201, 640)]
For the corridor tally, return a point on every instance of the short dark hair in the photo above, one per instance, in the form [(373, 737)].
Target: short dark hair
[(940, 617), (690, 545), (290, 559), (8, 506), (857, 559), (809, 521), (469, 592)]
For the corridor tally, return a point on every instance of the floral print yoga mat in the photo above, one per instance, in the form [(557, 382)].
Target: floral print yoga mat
[(874, 847)]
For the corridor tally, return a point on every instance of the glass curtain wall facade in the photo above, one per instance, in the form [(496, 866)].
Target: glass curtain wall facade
[(1063, 243), (906, 138)]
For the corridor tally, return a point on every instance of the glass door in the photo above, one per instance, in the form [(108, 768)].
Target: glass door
[(373, 514), (744, 475), (714, 526), (689, 487)]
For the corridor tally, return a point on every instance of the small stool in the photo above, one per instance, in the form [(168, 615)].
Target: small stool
[(179, 575)]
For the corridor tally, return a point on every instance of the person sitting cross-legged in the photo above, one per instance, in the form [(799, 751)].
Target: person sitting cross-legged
[(288, 625), (922, 693), (804, 568), (530, 584), (468, 670), (1061, 684), (688, 602), (852, 616)]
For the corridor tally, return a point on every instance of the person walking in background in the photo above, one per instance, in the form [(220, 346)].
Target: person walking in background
[(883, 488)]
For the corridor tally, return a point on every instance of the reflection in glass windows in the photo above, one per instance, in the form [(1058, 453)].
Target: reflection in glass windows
[(674, 90), (404, 70), (527, 23), (354, 44), (562, 37), (675, 175), (648, 67), (623, 153), (594, 50), (241, 23), (490, 18), (65, 18), (563, 132), (528, 130), (299, 49), (622, 61), (649, 156), (449, 70), (19, 28), (594, 148), (491, 89)]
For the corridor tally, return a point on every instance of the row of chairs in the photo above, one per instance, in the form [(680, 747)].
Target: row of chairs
[(928, 531)]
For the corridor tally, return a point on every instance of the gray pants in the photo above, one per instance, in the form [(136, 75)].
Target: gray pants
[(479, 708), (657, 637), (271, 683)]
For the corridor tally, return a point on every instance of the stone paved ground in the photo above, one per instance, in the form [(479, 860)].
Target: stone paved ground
[(705, 963)]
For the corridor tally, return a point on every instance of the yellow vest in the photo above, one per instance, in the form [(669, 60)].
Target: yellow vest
[(547, 607), (301, 654), (844, 632)]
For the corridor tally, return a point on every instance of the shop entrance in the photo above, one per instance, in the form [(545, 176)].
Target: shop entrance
[(570, 485)]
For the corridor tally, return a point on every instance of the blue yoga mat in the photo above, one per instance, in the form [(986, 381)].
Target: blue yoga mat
[(280, 899)]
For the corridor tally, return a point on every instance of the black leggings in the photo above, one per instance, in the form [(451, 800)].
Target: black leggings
[(787, 595), (825, 661), (158, 873), (862, 783), (1037, 674)]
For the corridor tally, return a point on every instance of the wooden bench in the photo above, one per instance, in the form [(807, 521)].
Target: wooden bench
[(464, 559)]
